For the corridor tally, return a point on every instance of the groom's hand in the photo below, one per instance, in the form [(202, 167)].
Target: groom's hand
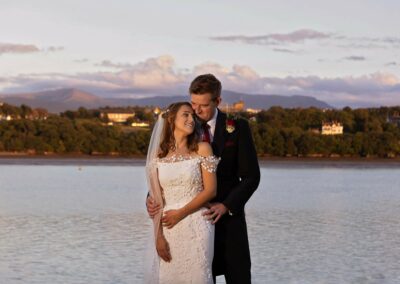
[(152, 207), (215, 212)]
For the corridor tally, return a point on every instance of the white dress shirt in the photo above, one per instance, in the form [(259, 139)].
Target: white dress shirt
[(212, 123)]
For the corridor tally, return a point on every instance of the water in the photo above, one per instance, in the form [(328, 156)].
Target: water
[(85, 222)]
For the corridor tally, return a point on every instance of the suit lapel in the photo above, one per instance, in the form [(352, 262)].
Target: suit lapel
[(219, 134)]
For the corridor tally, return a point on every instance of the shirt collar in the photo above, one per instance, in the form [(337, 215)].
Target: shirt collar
[(213, 120)]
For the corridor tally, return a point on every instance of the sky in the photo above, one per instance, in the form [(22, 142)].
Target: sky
[(346, 53)]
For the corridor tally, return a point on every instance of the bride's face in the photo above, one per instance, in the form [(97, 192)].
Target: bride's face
[(184, 120)]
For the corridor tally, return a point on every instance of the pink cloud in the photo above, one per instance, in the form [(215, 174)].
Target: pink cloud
[(17, 48), (26, 48), (159, 75), (276, 38)]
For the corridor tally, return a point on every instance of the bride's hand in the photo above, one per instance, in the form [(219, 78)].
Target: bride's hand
[(171, 218), (162, 247)]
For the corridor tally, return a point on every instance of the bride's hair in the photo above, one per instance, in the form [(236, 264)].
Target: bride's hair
[(168, 139)]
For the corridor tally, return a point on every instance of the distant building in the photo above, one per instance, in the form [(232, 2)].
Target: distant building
[(235, 107), (253, 110), (6, 117), (140, 124), (238, 106), (118, 117), (157, 110), (332, 128), (394, 119)]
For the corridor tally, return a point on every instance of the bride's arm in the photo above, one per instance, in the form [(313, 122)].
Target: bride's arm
[(172, 217), (162, 246)]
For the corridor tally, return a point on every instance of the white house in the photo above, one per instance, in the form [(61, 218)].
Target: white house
[(119, 117), (332, 128)]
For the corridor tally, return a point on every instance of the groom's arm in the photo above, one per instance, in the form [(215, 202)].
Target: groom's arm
[(247, 169), (152, 207)]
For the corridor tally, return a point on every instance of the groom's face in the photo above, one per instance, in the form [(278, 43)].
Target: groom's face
[(204, 106)]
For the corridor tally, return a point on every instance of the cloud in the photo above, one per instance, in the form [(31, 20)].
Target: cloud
[(54, 48), (108, 63), (154, 75), (373, 89), (355, 58), (391, 40), (26, 48), (153, 72), (368, 42), (239, 77), (160, 76), (354, 44), (297, 36), (285, 50), (82, 60), (393, 63), (324, 39), (17, 48), (363, 85)]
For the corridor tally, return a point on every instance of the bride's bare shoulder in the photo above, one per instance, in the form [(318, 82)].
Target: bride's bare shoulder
[(204, 149)]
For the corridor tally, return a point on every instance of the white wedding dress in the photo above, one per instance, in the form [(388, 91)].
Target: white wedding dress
[(191, 241)]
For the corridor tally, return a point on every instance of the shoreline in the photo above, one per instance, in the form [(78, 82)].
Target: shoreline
[(80, 159), (20, 155), (142, 157), (70, 159)]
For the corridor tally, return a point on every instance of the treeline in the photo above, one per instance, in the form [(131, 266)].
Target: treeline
[(141, 114), (73, 132), (371, 132), (277, 132), (23, 111)]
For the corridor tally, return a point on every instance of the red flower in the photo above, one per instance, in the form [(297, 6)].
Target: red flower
[(230, 125)]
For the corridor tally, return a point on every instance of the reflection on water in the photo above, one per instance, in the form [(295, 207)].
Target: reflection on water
[(59, 224), (71, 249), (339, 247)]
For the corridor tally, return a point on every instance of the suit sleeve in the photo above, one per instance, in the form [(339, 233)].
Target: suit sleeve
[(247, 168)]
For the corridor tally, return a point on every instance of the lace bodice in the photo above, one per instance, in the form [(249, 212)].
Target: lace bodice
[(181, 179)]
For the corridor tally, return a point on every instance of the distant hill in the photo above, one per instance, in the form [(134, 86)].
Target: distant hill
[(69, 99), (55, 101), (267, 101)]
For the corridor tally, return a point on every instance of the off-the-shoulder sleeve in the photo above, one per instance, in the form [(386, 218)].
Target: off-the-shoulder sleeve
[(209, 163), (154, 163)]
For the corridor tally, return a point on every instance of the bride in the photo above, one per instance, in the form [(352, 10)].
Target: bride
[(181, 176)]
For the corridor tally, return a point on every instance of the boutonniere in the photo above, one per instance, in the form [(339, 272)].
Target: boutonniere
[(230, 123)]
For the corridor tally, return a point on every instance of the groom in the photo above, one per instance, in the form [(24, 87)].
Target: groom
[(238, 176)]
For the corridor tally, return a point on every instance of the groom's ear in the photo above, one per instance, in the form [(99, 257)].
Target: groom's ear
[(218, 101)]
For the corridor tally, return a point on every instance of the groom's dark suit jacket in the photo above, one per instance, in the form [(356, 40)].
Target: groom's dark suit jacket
[(238, 176)]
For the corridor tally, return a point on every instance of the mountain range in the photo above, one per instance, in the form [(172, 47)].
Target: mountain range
[(71, 99)]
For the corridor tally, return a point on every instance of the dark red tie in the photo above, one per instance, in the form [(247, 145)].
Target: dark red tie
[(206, 133)]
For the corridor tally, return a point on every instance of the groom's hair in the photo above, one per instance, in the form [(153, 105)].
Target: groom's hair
[(206, 83)]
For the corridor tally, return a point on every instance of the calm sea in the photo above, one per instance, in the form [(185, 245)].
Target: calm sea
[(84, 221)]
